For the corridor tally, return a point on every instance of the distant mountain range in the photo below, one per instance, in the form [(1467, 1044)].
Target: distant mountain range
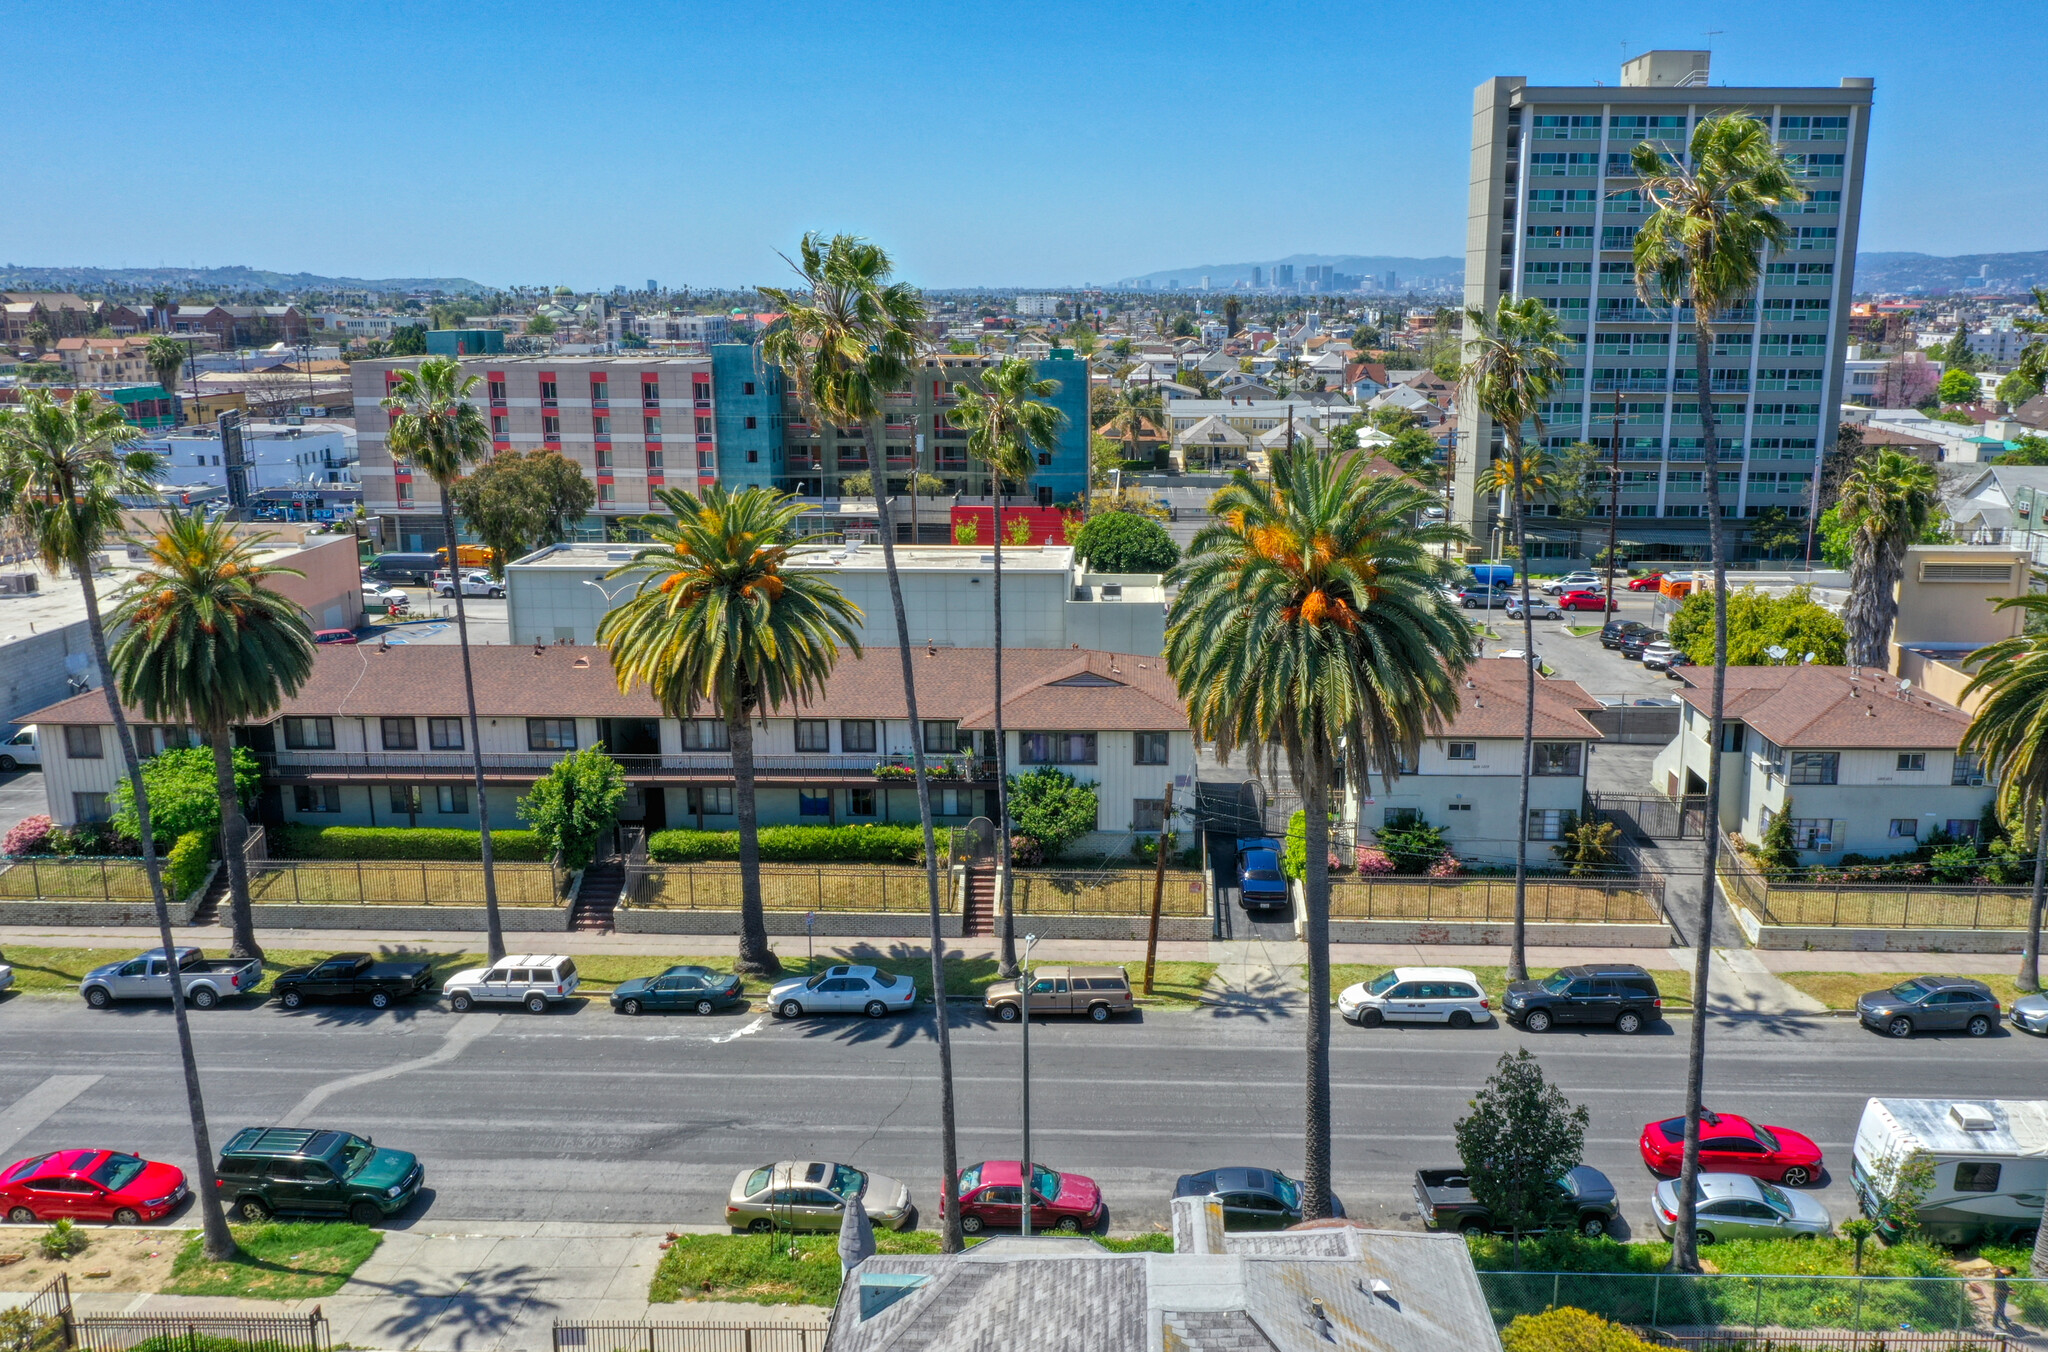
[(14, 277), (2001, 272), (1222, 276)]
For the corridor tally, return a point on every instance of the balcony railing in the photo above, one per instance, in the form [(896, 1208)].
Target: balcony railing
[(301, 764)]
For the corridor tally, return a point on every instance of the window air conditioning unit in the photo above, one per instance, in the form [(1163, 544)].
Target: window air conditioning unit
[(17, 584)]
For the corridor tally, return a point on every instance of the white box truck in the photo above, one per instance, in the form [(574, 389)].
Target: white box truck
[(1990, 1160)]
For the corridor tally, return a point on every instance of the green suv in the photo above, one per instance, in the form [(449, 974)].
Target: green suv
[(277, 1171)]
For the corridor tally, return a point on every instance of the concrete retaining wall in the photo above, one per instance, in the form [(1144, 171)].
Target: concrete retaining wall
[(878, 924), (523, 919), (1843, 939), (39, 911), (1551, 935)]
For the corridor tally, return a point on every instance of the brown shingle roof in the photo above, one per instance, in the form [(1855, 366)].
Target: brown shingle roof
[(1490, 703), (1833, 707)]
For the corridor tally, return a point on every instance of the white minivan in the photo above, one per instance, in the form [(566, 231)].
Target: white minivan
[(1449, 995), (20, 750)]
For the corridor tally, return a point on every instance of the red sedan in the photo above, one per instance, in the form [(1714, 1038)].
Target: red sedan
[(1734, 1145), (1583, 600), (991, 1194), (1647, 582), (90, 1185)]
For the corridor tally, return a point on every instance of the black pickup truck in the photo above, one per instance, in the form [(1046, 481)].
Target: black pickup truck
[(348, 976), (1446, 1201)]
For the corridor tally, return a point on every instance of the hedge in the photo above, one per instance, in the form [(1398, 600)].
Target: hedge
[(876, 844), (185, 868), (400, 842)]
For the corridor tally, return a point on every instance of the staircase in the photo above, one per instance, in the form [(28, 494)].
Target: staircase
[(598, 897), (980, 918)]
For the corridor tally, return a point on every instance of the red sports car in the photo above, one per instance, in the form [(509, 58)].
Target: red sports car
[(1583, 600), (90, 1185), (1734, 1145), (1647, 582), (991, 1194)]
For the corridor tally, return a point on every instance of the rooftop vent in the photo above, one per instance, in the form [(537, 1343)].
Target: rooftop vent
[(619, 555), (1972, 1117), (1112, 591)]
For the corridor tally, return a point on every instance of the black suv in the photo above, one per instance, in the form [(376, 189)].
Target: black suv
[(1621, 994), (1614, 631), (275, 1171), (1633, 643)]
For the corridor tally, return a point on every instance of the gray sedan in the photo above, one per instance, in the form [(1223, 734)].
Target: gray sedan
[(2030, 1013), (1736, 1206)]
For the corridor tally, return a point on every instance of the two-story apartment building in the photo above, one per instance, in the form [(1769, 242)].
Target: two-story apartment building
[(1468, 779), (1864, 762), (379, 736)]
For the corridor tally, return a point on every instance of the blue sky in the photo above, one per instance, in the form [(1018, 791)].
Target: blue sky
[(1021, 144)]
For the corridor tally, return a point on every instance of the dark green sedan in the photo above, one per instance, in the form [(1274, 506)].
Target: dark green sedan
[(697, 989)]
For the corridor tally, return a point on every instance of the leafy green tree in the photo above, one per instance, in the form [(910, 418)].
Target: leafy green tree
[(1777, 850), (2010, 731), (518, 501), (1758, 622), (435, 425), (717, 620), (1591, 848), (1392, 418), (1051, 808), (207, 640), (1125, 542), (2028, 449), (573, 807), (1773, 529), (1580, 482), (1712, 216), (408, 340), (1521, 1137), (1312, 617), (182, 794), (540, 326), (2016, 387), (1887, 500), (1413, 846), (1957, 386)]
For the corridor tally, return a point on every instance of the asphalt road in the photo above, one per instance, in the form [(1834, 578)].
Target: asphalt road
[(591, 1116)]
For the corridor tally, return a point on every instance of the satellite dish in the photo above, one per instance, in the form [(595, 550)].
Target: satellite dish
[(1905, 683), (1808, 658), (1776, 653)]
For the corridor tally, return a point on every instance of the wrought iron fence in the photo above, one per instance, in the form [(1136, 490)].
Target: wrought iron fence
[(202, 1333), (1653, 816), (1637, 900), (49, 1318), (73, 878), (397, 882), (1871, 904), (625, 1337), (716, 887)]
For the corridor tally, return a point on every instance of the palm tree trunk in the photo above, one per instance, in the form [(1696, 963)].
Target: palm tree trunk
[(756, 958), (1685, 1253), (1315, 891), (1008, 965), (234, 833), (949, 1151), (219, 1242), (2030, 955), (1518, 955), (495, 934)]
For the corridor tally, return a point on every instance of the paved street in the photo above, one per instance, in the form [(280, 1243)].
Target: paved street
[(588, 1116)]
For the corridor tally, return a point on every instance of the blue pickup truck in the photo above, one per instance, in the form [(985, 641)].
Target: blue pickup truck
[(1260, 883)]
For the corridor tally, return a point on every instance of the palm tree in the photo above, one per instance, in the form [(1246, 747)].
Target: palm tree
[(1713, 218), (1311, 617), (435, 426), (717, 620), (1008, 422), (206, 641), (1886, 500), (64, 467), (1133, 407), (166, 357), (846, 338)]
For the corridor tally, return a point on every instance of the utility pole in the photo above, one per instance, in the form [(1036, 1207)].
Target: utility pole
[(1450, 483), (1024, 1165), (1158, 886), (1613, 497)]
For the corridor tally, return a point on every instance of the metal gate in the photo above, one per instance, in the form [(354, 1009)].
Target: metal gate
[(1653, 816)]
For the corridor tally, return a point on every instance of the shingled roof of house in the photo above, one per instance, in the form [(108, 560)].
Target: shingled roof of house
[(1832, 707)]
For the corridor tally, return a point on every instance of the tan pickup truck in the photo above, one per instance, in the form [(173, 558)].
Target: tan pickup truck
[(1097, 992)]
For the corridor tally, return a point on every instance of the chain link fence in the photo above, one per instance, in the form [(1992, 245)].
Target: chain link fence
[(1720, 1302)]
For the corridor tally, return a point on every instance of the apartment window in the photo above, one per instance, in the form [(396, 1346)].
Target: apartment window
[(1733, 736), (1815, 767), (654, 460), (860, 802), (1148, 814), (704, 734), (813, 734), (89, 807), (1905, 828), (746, 387), (753, 423), (708, 801), (451, 798), (497, 391), (1547, 823), (701, 388), (499, 426), (600, 391), (650, 427), (1912, 760), (400, 734), (405, 495), (83, 743), (309, 734), (814, 802), (444, 734), (606, 494), (1812, 833), (1556, 758), (1963, 828), (548, 392), (856, 734), (551, 734), (703, 427), (405, 800), (1968, 770), (316, 797), (650, 392), (1462, 751), (1057, 748), (604, 459), (1149, 748), (941, 735), (1459, 807), (601, 427), (551, 428)]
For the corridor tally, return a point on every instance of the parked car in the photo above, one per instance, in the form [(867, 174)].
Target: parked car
[(1736, 1206), (1931, 1004), (1619, 994), (1661, 656), (306, 1171), (1253, 1199), (1444, 1199), (1097, 992), (1260, 883), (1483, 598), (1538, 607), (684, 986), (334, 636), (1647, 582), (473, 584), (1586, 600), (6, 976), (1614, 631), (89, 1185), (1733, 1145), (1636, 642), (351, 976), (843, 990), (992, 1196), (812, 1195), (1558, 586), (1449, 995), (525, 979), (2029, 1013), (19, 750), (147, 976), (397, 567)]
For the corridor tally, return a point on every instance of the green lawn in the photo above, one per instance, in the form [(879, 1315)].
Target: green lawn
[(793, 1270), (1494, 980), (1581, 630), (279, 1261), (1838, 990)]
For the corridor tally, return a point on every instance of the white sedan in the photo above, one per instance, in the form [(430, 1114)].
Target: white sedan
[(377, 591), (843, 990), (1448, 995)]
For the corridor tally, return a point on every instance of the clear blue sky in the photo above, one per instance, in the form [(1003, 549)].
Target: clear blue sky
[(1017, 144)]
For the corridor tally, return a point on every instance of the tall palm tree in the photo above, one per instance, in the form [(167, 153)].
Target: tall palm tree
[(435, 426), (1312, 617), (1008, 422), (846, 338), (1886, 500), (1713, 218), (1129, 411), (166, 357), (717, 620), (206, 641), (64, 467)]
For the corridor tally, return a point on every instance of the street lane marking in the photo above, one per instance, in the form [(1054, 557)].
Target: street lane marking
[(468, 1030), (39, 1105), (760, 1021)]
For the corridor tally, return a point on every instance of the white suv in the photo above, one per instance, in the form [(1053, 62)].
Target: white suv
[(529, 980), (1558, 586)]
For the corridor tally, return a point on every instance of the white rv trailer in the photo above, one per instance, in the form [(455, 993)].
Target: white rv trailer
[(1990, 1163)]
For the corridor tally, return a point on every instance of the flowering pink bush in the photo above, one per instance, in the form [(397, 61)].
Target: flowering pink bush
[(31, 835), (1446, 867), (1372, 859)]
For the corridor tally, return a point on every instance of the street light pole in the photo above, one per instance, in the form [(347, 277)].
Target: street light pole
[(1613, 496), (1024, 1165)]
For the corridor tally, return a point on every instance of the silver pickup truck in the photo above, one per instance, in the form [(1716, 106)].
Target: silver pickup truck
[(146, 976)]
